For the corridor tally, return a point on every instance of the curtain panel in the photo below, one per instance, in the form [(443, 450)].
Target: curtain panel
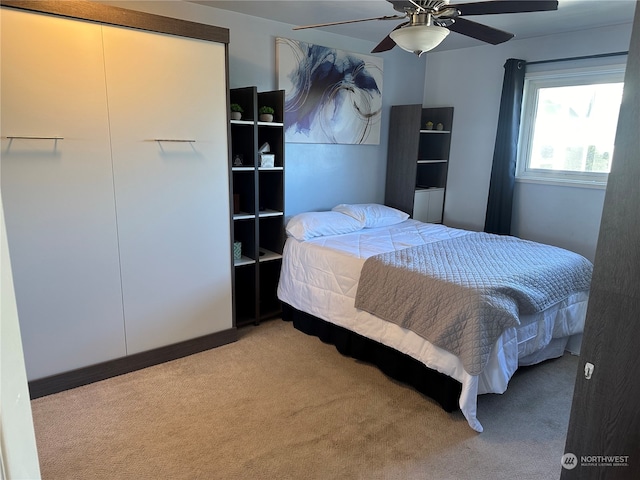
[(503, 171)]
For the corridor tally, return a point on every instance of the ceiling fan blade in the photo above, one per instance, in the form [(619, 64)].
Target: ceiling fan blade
[(329, 24), (480, 32), (496, 7), (387, 42), (402, 5)]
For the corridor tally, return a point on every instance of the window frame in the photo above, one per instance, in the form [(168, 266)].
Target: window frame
[(588, 75)]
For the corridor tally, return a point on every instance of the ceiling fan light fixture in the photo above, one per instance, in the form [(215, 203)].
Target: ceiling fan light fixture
[(419, 38)]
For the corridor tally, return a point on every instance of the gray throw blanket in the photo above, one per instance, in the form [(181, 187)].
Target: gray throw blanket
[(461, 294)]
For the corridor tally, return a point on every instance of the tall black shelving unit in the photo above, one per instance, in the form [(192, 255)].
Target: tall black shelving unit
[(258, 204), (418, 160)]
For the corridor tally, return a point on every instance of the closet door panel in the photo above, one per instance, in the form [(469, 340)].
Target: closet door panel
[(58, 193), (436, 205), (167, 104)]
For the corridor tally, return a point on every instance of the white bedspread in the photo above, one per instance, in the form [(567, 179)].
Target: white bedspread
[(320, 277)]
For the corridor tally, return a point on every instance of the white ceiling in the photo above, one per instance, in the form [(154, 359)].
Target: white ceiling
[(571, 15)]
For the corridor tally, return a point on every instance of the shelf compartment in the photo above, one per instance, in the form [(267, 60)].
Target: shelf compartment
[(269, 305), (244, 232), (245, 97), (275, 138), (436, 115), (433, 147), (244, 193), (242, 144), (245, 294), (272, 236), (431, 174), (275, 100), (271, 186)]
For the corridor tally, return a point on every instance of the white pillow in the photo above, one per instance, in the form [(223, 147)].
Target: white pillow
[(372, 214), (317, 224)]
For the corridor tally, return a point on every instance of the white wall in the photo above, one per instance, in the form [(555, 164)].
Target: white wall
[(471, 80), (317, 177), (320, 176), (18, 453)]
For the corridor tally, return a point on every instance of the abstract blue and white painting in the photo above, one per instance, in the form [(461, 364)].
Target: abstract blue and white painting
[(331, 96)]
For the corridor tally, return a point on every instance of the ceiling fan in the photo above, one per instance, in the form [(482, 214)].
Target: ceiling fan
[(430, 21)]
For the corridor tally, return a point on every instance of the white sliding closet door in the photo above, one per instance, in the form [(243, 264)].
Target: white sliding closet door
[(167, 105), (58, 193)]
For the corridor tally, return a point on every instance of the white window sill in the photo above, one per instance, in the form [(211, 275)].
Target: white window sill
[(562, 182)]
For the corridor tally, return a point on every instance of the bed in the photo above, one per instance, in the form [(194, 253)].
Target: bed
[(324, 257)]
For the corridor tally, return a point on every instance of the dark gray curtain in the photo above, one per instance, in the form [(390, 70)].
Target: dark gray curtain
[(503, 172)]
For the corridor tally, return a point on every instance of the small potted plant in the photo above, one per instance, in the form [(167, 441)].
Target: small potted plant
[(266, 114), (236, 111)]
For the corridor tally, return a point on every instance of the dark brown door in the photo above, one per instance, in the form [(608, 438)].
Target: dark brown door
[(603, 439)]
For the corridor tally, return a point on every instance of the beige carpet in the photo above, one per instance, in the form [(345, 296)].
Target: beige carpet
[(279, 404)]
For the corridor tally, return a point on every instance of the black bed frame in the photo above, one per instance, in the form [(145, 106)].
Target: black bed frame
[(399, 366)]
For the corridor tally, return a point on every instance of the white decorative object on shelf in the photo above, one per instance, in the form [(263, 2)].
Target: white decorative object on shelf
[(267, 160)]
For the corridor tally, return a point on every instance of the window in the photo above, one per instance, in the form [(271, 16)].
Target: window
[(568, 126)]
